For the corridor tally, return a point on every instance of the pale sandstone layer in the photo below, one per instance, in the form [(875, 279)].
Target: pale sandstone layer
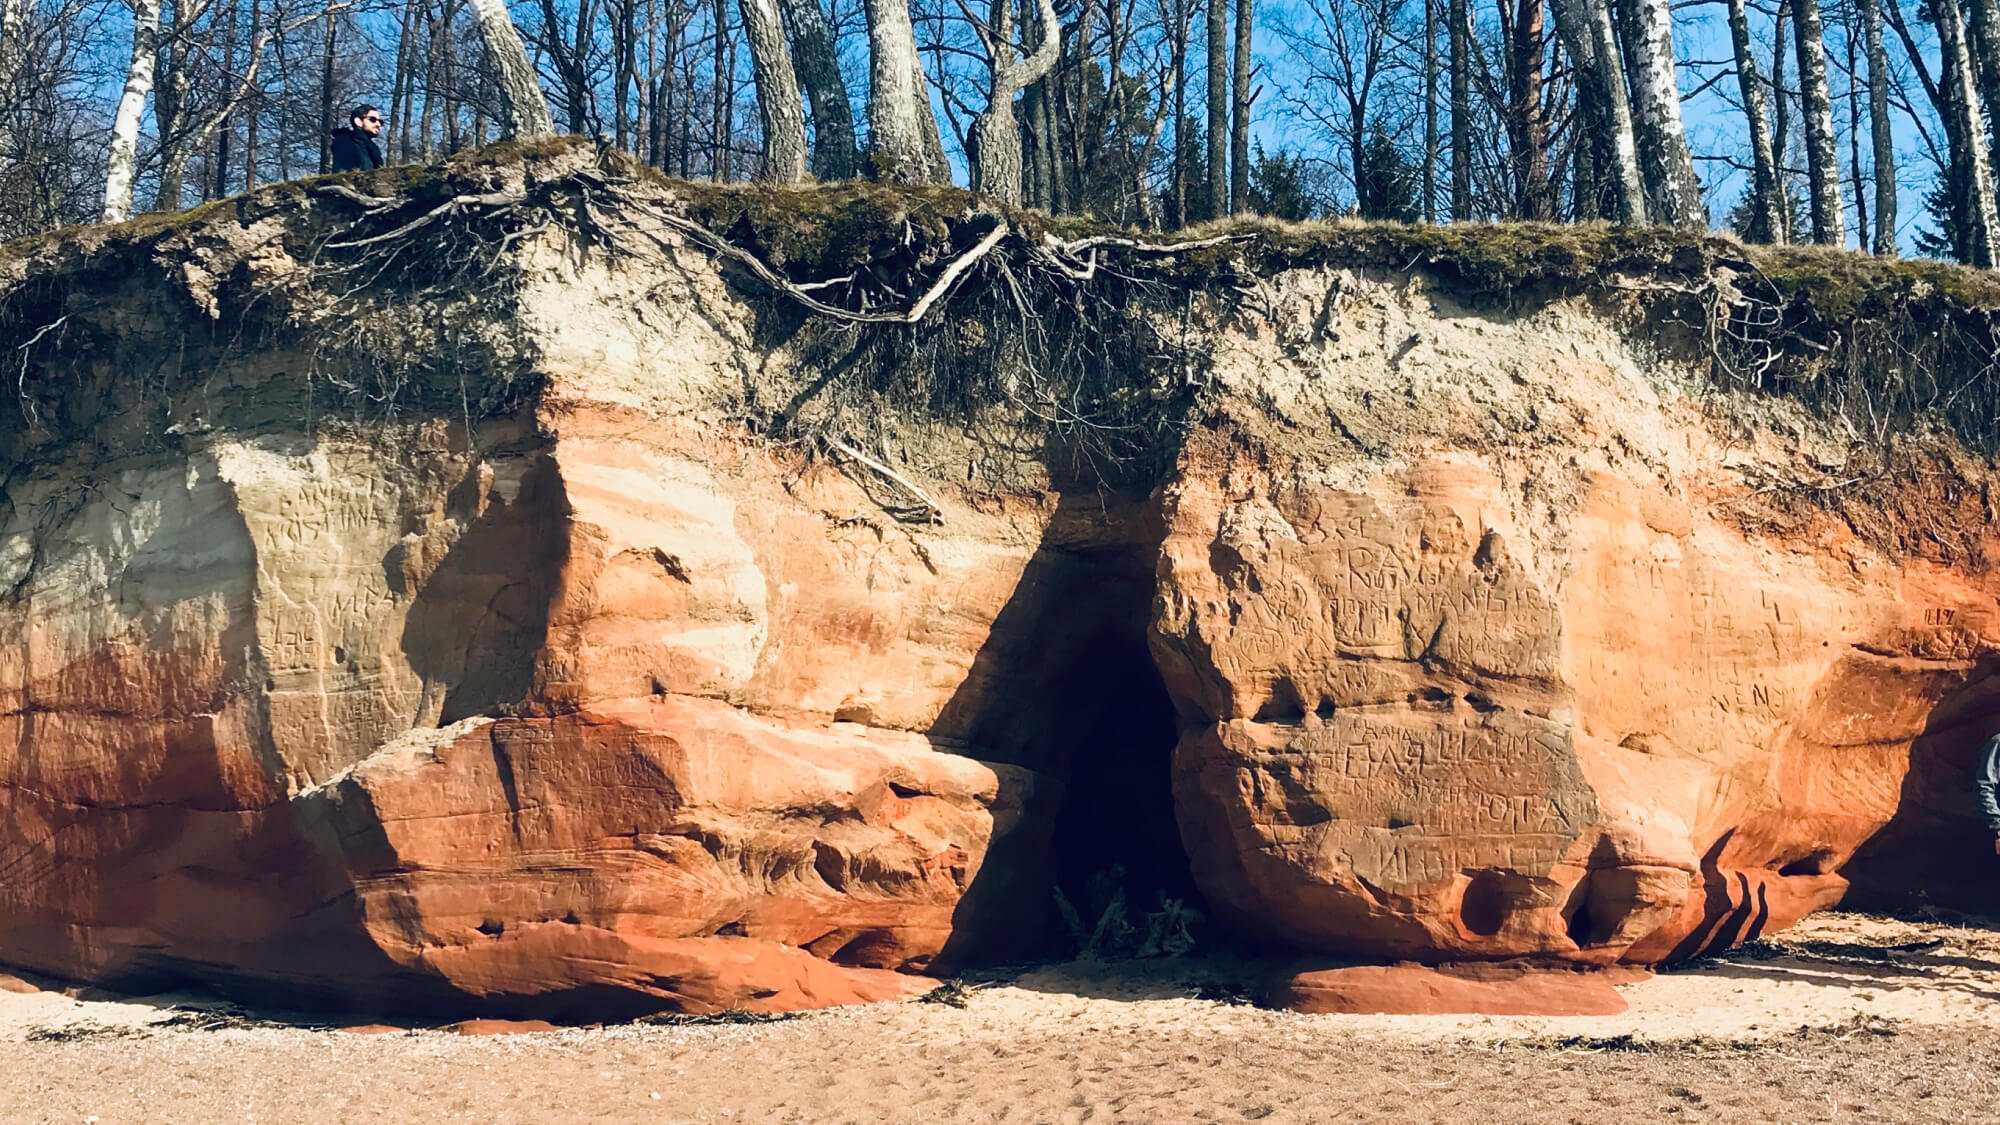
[(594, 702)]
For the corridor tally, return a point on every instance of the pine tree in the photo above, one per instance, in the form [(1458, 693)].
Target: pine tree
[(1385, 185), (1283, 186)]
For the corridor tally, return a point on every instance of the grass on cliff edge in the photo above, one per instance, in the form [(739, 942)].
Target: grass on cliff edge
[(815, 231)]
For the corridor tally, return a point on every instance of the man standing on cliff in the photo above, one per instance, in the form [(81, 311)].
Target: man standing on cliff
[(354, 147), (1986, 784)]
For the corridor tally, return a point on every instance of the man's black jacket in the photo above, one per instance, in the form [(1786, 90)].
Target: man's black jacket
[(354, 149)]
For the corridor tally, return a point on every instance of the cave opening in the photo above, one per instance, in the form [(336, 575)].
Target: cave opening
[(1116, 837)]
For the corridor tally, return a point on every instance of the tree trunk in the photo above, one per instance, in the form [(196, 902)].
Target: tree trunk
[(256, 102), (1852, 37), (1976, 157), (1985, 51), (1767, 222), (524, 111), (1524, 112), (895, 130), (1460, 65), (1217, 23), (1035, 188), (720, 125), (1182, 31), (580, 99), (778, 103), (818, 69), (403, 91), (1878, 129), (1430, 80), (1592, 42), (933, 137), (13, 53), (1672, 188), (326, 111), (1781, 125), (169, 94), (216, 185), (1239, 112), (284, 145), (996, 165), (1586, 186), (453, 139), (625, 63), (1822, 158), (122, 166)]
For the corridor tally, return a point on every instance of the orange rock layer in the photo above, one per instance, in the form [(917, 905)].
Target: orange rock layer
[(1472, 648)]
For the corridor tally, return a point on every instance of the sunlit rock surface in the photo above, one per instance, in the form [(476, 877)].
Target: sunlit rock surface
[(1446, 631)]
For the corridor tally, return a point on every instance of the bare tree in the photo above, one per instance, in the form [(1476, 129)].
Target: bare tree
[(1822, 159), (1766, 218), (778, 102), (524, 109), (1672, 188), (1345, 51), (1985, 50), (1879, 129), (721, 124), (1977, 161), (1459, 62), (123, 166), (996, 164), (818, 66), (1217, 23), (1527, 120), (1239, 111), (13, 49), (896, 102), (1430, 95), (1592, 42)]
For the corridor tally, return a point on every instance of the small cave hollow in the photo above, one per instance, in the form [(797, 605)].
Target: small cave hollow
[(1484, 904), (1116, 829)]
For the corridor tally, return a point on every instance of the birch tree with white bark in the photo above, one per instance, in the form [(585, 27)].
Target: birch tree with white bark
[(1584, 29), (1673, 191), (1980, 210), (1829, 223), (13, 49), (123, 165)]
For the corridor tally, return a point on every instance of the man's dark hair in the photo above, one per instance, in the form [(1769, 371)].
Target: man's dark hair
[(360, 111)]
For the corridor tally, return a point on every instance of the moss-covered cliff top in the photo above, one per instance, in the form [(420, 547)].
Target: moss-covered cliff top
[(396, 283), (814, 231)]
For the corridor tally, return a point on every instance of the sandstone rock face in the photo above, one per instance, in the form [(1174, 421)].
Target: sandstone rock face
[(1539, 695), (1466, 988), (1445, 635)]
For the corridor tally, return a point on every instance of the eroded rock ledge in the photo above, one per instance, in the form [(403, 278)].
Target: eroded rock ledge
[(535, 611)]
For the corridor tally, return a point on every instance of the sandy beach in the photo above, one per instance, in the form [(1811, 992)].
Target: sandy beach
[(1846, 1017)]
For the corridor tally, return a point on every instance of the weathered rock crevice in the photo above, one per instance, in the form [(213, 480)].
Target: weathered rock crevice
[(532, 588)]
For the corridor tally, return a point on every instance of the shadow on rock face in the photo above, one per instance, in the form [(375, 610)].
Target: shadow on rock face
[(1065, 686), (479, 620), (1936, 851)]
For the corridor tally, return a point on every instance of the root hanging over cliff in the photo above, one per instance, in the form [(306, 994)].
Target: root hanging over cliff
[(899, 317)]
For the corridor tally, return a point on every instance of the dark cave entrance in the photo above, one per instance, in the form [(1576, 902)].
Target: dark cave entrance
[(1116, 837), (1065, 687)]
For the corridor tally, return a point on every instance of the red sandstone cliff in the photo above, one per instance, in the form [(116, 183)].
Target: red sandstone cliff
[(533, 611)]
